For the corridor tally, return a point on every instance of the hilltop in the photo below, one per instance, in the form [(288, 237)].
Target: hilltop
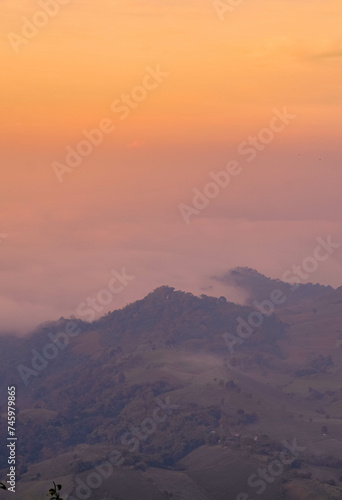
[(155, 385)]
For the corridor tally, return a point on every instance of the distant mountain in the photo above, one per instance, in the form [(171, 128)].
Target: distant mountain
[(154, 389), (260, 287), (164, 319)]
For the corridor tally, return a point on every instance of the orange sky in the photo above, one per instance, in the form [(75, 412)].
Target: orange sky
[(120, 206), (224, 75)]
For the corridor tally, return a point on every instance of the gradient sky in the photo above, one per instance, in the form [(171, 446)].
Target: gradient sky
[(119, 208)]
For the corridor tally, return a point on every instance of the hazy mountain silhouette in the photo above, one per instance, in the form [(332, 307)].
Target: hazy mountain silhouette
[(155, 386), (259, 287)]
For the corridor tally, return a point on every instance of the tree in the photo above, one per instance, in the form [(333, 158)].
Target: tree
[(54, 492)]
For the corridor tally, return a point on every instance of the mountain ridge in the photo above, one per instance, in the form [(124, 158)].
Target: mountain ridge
[(224, 410)]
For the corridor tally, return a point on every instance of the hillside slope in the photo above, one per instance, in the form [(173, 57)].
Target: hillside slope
[(153, 391)]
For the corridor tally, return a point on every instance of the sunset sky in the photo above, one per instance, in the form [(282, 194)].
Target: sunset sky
[(223, 77)]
